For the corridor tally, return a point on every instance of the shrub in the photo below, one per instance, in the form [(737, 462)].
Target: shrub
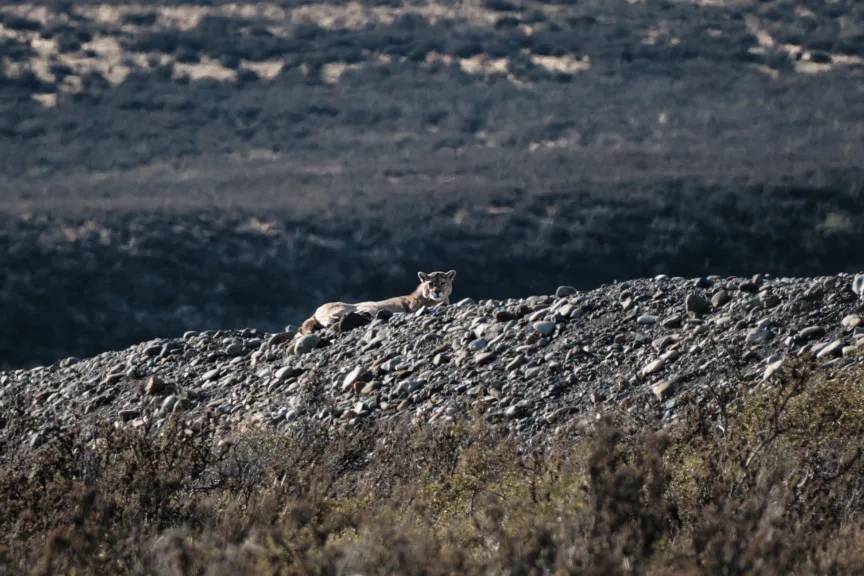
[(759, 478)]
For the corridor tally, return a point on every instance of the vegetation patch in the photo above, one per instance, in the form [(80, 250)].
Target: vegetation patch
[(757, 480)]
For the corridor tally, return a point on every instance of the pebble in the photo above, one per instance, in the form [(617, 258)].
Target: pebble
[(696, 304), (545, 328), (154, 385), (757, 336), (720, 298), (306, 344), (835, 348), (811, 332), (653, 367)]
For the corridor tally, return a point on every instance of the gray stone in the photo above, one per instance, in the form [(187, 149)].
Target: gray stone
[(235, 350), (662, 390), (477, 345), (653, 367), (835, 348), (647, 319), (545, 328), (306, 344), (720, 298), (811, 332), (758, 336), (284, 373), (696, 304)]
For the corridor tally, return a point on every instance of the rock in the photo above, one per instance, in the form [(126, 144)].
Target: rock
[(757, 336), (484, 358), (352, 320), (152, 350), (662, 390), (280, 338), (653, 367), (515, 411), (647, 319), (518, 361), (811, 332), (564, 291), (773, 367), (477, 345), (127, 415), (383, 315), (813, 294), (545, 328), (358, 374), (851, 321), (440, 359), (154, 385), (696, 304), (720, 298), (858, 285), (284, 373), (769, 300), (306, 344), (210, 375), (835, 348), (660, 343), (392, 364), (235, 350)]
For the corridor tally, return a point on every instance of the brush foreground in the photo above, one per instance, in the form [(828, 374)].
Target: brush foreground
[(663, 426)]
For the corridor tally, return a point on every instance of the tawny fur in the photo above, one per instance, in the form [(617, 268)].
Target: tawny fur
[(434, 290)]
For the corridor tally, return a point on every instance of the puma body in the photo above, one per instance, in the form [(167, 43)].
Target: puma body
[(434, 290)]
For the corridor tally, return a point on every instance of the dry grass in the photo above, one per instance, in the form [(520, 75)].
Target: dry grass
[(758, 481)]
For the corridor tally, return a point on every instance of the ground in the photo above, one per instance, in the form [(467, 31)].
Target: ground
[(179, 166)]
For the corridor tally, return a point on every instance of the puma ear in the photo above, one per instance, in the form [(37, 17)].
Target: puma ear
[(451, 274), (423, 276)]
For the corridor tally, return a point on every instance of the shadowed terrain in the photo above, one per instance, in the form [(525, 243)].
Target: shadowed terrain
[(179, 166)]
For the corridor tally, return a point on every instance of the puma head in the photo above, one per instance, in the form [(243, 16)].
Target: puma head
[(436, 286)]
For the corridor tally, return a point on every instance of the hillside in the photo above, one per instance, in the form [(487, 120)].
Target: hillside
[(651, 426), (175, 166)]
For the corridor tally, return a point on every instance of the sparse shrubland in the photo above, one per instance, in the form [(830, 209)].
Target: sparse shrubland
[(756, 480)]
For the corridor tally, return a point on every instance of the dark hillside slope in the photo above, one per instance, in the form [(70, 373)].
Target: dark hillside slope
[(203, 166)]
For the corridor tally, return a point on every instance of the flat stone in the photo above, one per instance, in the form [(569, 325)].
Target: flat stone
[(662, 390), (544, 327), (835, 348), (811, 332), (653, 367)]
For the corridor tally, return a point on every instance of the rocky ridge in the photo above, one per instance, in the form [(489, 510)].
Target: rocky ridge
[(646, 346)]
